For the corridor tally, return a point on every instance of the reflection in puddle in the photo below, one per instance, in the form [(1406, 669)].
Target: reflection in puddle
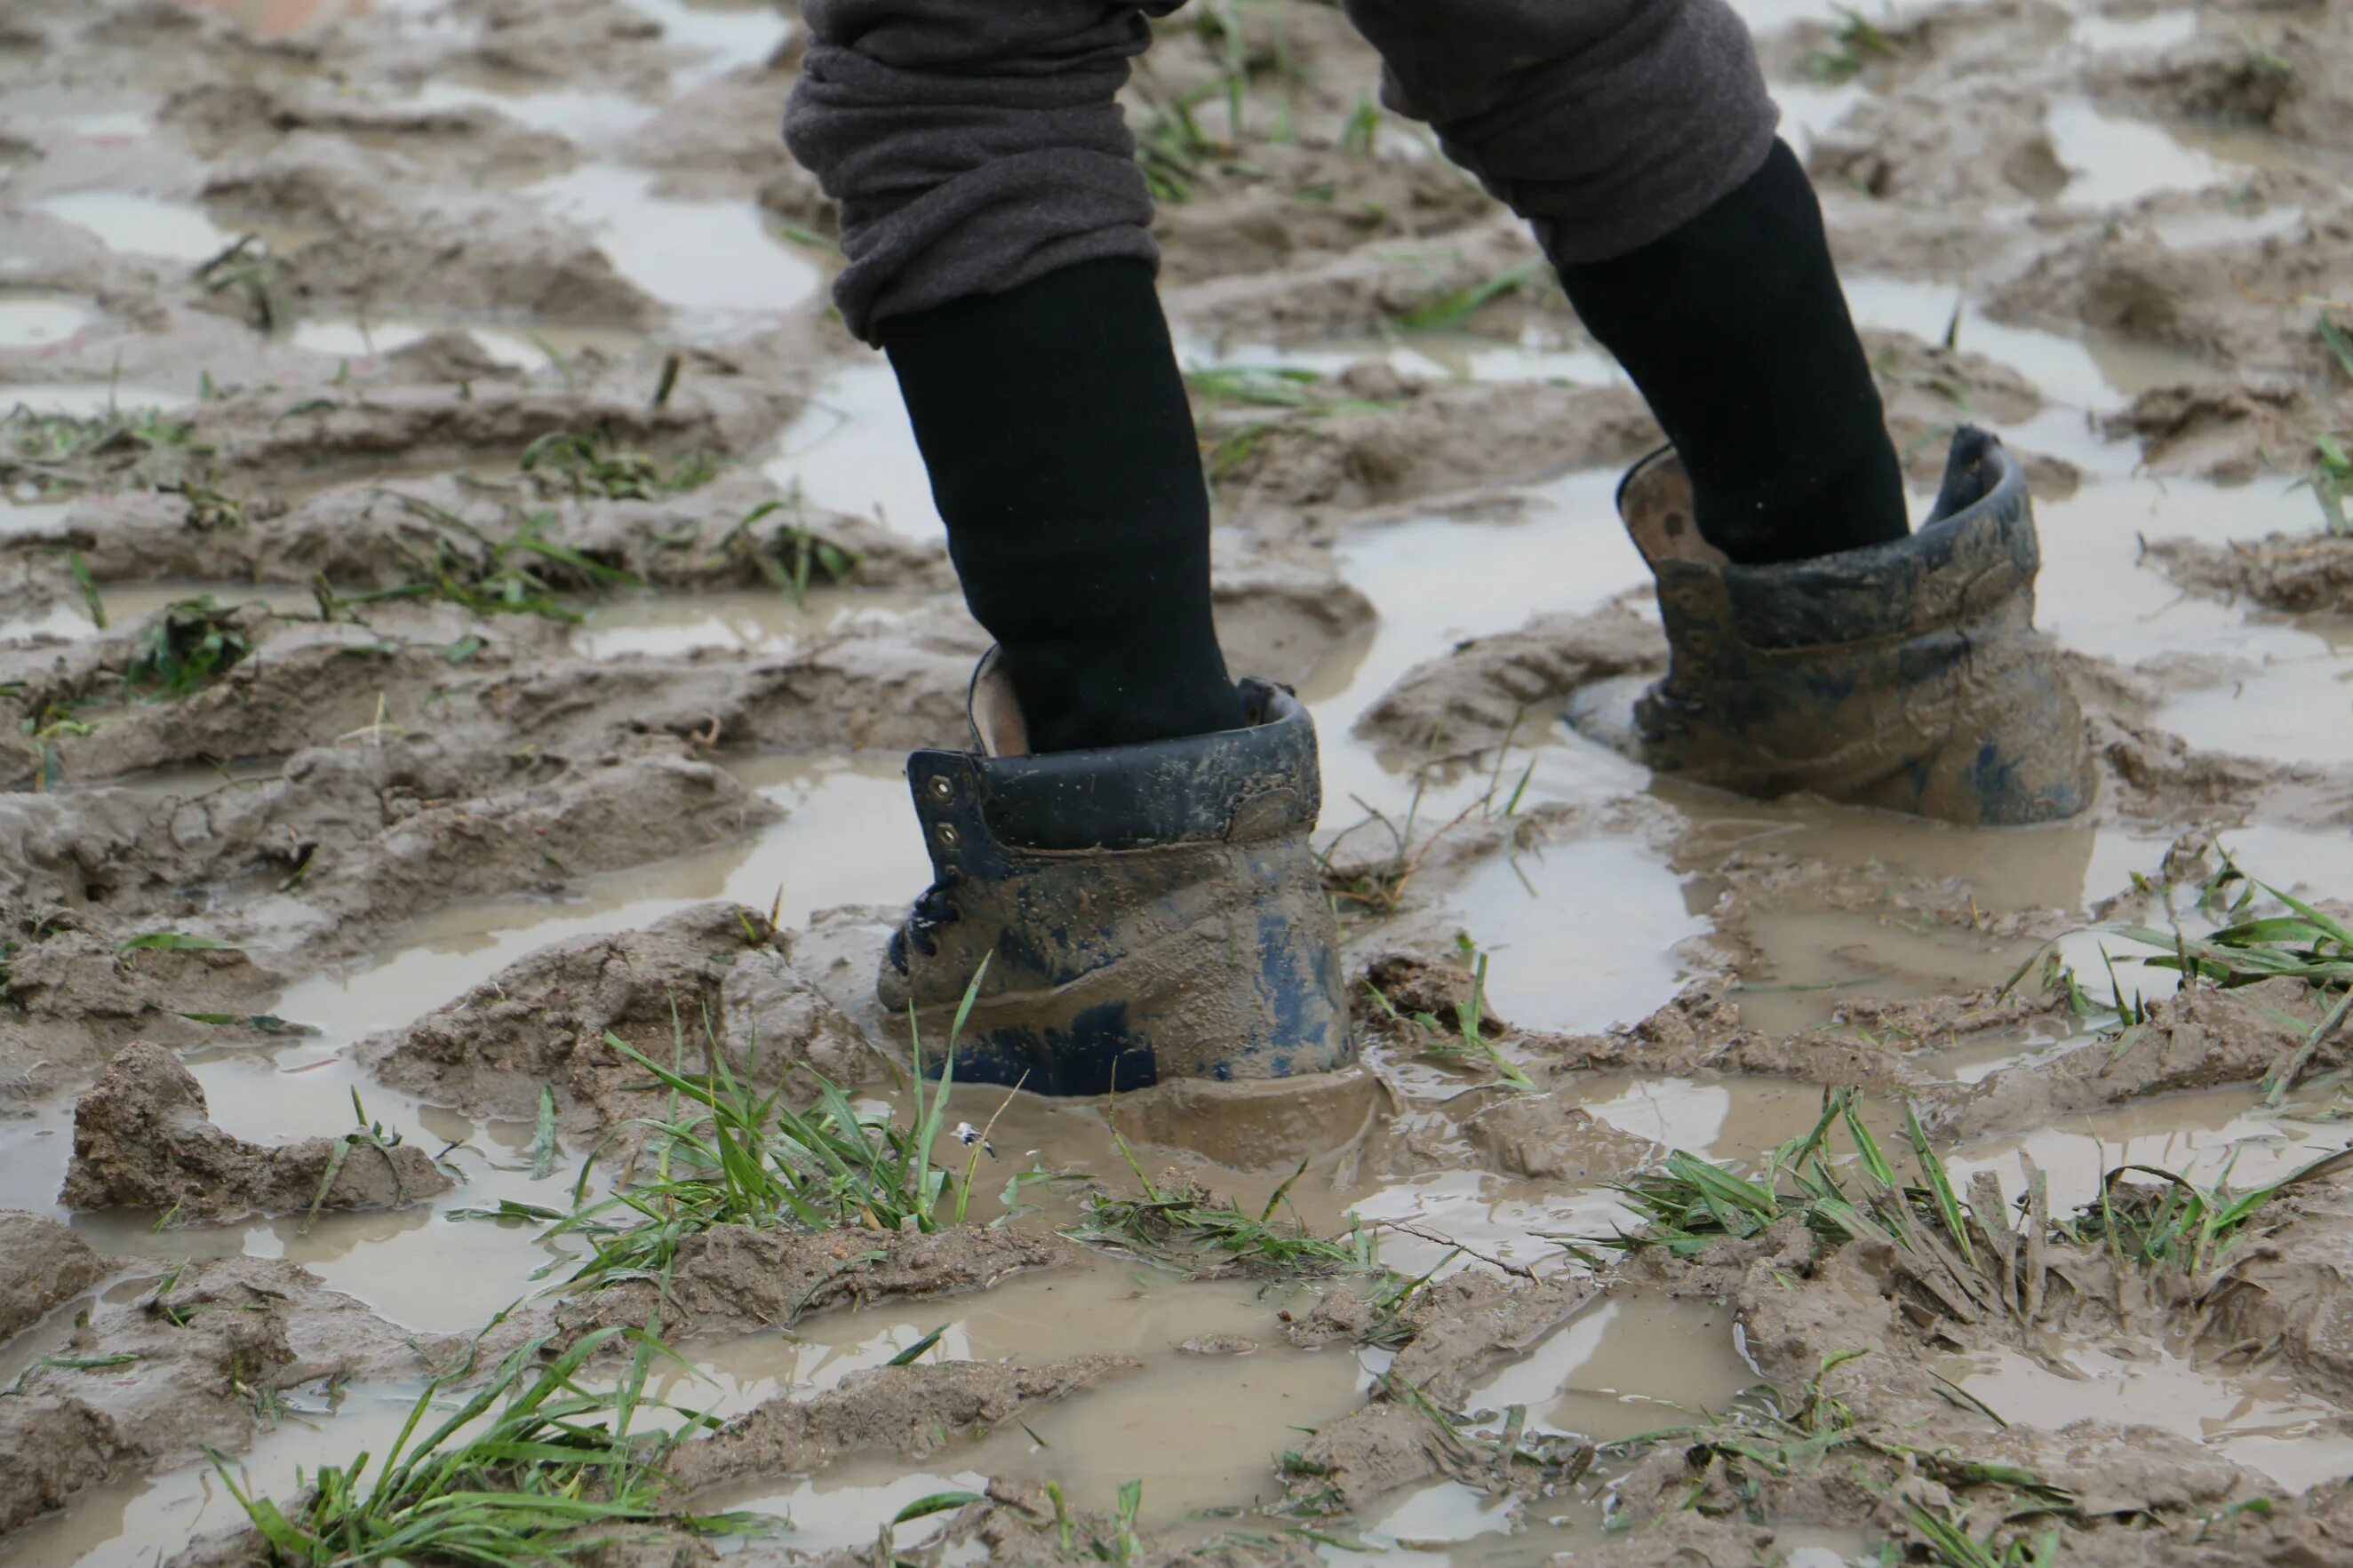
[(1439, 356), (1582, 932), (141, 225), (2201, 1134), (2251, 1418), (1197, 1428), (1625, 1367)]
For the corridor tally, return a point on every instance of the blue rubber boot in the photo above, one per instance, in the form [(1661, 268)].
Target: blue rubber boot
[(1907, 676), (1147, 912)]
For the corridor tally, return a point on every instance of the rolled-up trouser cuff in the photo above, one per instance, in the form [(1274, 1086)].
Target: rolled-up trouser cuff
[(992, 229), (974, 145), (1606, 123)]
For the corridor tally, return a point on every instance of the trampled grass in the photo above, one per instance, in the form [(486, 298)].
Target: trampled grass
[(1190, 1234)]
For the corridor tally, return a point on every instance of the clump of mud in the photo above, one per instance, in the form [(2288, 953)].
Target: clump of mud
[(141, 1139)]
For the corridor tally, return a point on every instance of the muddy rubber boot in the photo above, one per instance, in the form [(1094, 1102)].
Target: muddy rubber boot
[(1907, 676), (1148, 913)]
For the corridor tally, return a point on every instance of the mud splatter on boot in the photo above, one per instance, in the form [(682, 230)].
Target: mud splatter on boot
[(1906, 676), (1148, 913)]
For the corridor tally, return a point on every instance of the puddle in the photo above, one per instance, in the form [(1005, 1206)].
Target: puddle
[(2137, 35), (141, 225), (2251, 1418), (2078, 372), (2200, 1134), (1431, 355), (1810, 961), (853, 451), (851, 839), (37, 321), (2192, 231), (2115, 161), (1623, 1368), (730, 34), (1724, 1119), (1581, 932), (537, 348), (138, 1522), (577, 114), (698, 257), (748, 620), (83, 400)]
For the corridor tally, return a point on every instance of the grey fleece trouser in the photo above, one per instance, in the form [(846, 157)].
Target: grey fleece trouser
[(977, 144)]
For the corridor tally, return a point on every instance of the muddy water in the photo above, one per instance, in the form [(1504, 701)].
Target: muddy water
[(1586, 930)]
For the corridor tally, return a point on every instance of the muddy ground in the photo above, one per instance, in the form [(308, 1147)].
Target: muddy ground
[(463, 600)]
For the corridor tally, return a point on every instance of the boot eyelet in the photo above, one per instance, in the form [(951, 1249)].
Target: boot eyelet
[(949, 837), (943, 788)]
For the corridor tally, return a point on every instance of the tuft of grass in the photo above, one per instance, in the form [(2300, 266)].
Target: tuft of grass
[(1467, 1036), (1170, 143), (59, 453), (249, 273), (1766, 1435), (723, 1154), (211, 509), (1294, 392), (1254, 387), (2305, 944), (1360, 137), (1856, 42), (571, 462), (186, 644), (1946, 1530), (2331, 478), (790, 556), (365, 1134), (532, 1468), (521, 573), (1452, 308), (91, 598), (2170, 1219)]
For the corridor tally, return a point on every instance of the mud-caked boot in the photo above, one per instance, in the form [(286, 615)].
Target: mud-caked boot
[(1907, 676), (1148, 913)]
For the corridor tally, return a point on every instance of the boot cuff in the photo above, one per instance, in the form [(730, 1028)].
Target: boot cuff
[(1237, 785), (1977, 549)]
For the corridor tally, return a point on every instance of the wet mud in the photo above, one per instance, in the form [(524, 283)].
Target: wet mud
[(463, 600)]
